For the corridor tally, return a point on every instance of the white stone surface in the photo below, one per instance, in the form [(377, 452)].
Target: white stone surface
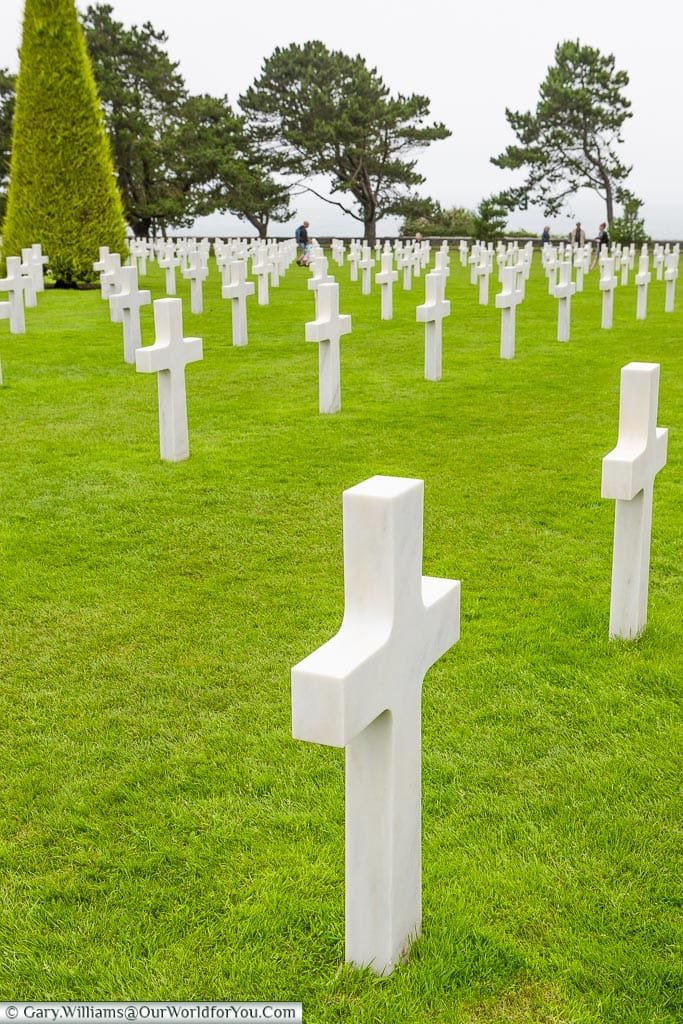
[(608, 282), (484, 270), (642, 281), (110, 281), (260, 268), (670, 276), (41, 261), (365, 265), (362, 690), (563, 289), (168, 357), (628, 474), (386, 279), (14, 284), (507, 301), (319, 274), (431, 313), (196, 273), (29, 268), (326, 330), (126, 306), (238, 290), (168, 262)]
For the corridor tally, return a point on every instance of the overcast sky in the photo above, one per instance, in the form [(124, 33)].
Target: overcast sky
[(471, 59)]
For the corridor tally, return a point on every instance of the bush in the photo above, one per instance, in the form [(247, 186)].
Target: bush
[(629, 227), (62, 189)]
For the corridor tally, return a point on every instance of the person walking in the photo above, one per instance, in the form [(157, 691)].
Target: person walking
[(301, 236)]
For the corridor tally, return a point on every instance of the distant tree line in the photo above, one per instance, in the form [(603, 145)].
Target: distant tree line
[(569, 143), (316, 112), (310, 112)]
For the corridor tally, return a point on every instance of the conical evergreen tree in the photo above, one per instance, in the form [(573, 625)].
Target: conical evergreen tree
[(62, 190)]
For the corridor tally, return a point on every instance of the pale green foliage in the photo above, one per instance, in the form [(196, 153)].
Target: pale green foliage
[(62, 190)]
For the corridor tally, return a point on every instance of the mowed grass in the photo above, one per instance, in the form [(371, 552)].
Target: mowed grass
[(163, 837)]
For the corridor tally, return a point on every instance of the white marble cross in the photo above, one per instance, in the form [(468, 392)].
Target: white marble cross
[(628, 474), (15, 284), (507, 301), (319, 273), (168, 357), (109, 278), (658, 262), (385, 279), (338, 251), (484, 268), (431, 313), (326, 330), (100, 264), (260, 268), (563, 291), (353, 258), (41, 261), (462, 248), (126, 304), (442, 262), (28, 269), (582, 261), (642, 280), (196, 273), (362, 690), (365, 265), (625, 266), (670, 275), (404, 261), (608, 282), (238, 290), (168, 262)]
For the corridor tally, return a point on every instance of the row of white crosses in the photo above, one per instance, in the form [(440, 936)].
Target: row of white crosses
[(167, 357), (362, 690), (23, 282)]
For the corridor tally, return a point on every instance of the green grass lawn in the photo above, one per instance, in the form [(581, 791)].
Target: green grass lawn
[(163, 837)]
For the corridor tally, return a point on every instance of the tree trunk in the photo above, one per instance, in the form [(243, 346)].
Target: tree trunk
[(141, 226), (370, 231), (609, 203)]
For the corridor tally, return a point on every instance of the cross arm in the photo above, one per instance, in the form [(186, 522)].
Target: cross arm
[(629, 467), (319, 330)]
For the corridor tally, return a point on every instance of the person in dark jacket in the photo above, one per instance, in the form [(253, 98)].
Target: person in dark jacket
[(301, 236)]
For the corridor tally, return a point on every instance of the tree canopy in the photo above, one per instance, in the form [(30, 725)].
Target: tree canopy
[(178, 156), (62, 189), (323, 112), (571, 140)]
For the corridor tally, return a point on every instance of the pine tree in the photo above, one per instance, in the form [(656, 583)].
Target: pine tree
[(62, 190)]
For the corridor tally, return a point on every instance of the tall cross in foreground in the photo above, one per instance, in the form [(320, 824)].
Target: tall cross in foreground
[(168, 357), (628, 474), (362, 690)]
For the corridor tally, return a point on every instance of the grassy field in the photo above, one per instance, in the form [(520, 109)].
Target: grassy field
[(163, 837)]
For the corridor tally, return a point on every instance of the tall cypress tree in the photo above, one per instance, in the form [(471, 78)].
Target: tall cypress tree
[(62, 190)]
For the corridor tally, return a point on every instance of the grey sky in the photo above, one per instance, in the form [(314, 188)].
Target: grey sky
[(471, 59)]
